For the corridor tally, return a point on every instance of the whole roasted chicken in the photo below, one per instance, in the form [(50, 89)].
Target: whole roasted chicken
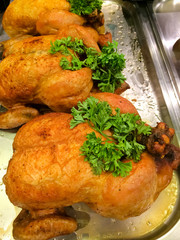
[(46, 17), (32, 75), (49, 169)]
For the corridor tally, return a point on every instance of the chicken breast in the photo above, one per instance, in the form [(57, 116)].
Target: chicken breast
[(47, 171)]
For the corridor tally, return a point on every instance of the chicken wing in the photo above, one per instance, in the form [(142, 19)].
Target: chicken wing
[(48, 172)]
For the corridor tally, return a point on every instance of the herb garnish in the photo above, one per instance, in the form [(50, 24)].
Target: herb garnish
[(121, 144), (107, 65), (85, 7)]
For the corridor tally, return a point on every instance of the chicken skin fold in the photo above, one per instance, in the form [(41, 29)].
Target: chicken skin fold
[(47, 172)]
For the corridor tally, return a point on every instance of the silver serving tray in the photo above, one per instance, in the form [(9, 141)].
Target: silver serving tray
[(155, 95)]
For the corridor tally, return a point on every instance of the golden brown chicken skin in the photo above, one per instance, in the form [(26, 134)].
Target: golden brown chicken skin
[(38, 225), (50, 21), (47, 171)]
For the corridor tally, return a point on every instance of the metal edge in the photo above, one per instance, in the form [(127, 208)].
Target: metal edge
[(160, 63), (141, 11)]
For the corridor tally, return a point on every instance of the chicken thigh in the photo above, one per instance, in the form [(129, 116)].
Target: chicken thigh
[(47, 172)]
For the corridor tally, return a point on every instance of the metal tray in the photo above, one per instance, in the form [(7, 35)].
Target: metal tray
[(165, 16), (155, 95)]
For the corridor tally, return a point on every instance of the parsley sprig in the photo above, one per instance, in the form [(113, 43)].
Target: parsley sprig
[(104, 156), (85, 7), (107, 65), (121, 144)]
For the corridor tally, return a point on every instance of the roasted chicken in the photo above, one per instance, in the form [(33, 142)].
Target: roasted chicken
[(45, 17), (29, 74), (47, 172)]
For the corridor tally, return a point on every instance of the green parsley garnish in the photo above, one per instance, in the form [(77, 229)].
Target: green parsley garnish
[(104, 156), (107, 65), (121, 144), (85, 7)]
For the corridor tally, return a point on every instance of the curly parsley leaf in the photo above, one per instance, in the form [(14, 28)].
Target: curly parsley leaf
[(120, 144), (107, 65), (95, 112), (85, 7), (104, 157), (64, 43)]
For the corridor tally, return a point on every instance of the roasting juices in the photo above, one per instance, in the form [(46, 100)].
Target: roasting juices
[(154, 218)]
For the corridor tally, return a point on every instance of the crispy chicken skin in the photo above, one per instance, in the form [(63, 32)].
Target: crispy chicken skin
[(116, 101), (20, 17), (48, 172)]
